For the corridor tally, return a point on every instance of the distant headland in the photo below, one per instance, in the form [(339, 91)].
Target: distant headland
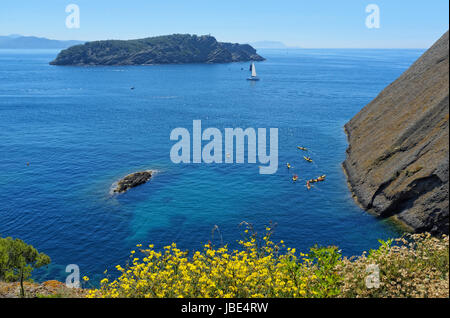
[(169, 49), (17, 41)]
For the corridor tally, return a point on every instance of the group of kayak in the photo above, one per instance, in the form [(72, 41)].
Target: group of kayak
[(305, 157), (318, 179), (311, 181)]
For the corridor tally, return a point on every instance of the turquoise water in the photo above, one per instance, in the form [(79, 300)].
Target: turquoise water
[(83, 128)]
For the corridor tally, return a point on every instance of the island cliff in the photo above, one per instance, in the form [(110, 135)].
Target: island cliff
[(170, 49), (397, 159)]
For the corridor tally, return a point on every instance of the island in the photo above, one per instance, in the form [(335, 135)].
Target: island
[(169, 49), (398, 155), (133, 180)]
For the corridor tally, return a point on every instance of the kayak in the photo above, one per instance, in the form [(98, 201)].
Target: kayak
[(295, 178), (307, 159), (288, 166), (302, 148), (318, 179)]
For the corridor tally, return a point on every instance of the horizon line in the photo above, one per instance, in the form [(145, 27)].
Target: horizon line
[(247, 42)]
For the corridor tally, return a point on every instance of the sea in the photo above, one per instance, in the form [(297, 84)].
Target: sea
[(68, 134)]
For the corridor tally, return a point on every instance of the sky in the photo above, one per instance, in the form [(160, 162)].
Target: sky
[(307, 24)]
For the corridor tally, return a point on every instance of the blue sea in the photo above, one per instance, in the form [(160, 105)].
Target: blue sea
[(82, 128)]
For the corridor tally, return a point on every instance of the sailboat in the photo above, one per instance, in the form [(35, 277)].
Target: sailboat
[(254, 77)]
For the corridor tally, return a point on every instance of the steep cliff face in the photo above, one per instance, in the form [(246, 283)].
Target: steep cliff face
[(169, 49), (397, 160)]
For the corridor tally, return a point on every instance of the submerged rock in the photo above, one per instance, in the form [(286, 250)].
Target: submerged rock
[(133, 180), (398, 156)]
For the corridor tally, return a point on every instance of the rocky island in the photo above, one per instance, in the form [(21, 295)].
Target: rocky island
[(169, 49), (398, 156), (132, 180)]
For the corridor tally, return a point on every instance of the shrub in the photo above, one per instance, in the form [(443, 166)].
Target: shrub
[(258, 269), (414, 266), (18, 260)]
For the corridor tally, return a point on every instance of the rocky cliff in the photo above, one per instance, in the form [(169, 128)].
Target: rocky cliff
[(170, 49), (397, 159)]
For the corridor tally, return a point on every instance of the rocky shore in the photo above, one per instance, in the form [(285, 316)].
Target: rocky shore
[(48, 289), (398, 155)]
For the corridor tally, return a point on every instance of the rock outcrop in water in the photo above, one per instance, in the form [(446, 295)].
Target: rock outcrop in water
[(170, 49), (133, 180), (397, 160)]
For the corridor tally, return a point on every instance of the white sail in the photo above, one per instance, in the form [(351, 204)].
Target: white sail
[(253, 70)]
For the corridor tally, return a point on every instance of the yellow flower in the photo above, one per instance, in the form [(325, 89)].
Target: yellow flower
[(119, 268), (251, 270)]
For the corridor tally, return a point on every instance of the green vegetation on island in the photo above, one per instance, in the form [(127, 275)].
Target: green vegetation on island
[(169, 49)]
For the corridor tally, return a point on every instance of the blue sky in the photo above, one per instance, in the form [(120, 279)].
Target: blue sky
[(309, 24)]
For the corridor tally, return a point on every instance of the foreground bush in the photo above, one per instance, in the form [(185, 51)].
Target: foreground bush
[(413, 267), (18, 260)]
